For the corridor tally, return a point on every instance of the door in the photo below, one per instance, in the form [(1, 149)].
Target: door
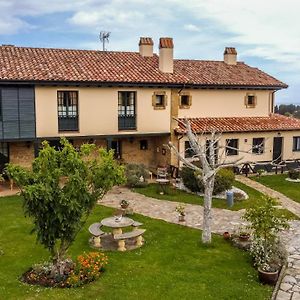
[(4, 155), (277, 149), (116, 145)]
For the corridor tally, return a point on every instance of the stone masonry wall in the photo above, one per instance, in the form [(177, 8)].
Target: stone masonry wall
[(21, 153)]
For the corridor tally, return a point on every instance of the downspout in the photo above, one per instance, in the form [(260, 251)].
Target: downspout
[(272, 101)]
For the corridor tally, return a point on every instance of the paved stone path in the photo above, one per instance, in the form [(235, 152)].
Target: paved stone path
[(223, 219), (286, 202), (289, 288)]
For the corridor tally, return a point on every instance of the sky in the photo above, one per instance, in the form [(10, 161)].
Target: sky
[(265, 33)]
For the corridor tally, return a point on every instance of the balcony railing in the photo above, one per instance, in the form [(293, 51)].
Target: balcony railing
[(127, 122), (68, 124)]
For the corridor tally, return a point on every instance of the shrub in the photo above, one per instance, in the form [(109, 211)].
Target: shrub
[(191, 181), (224, 180), (294, 174), (136, 175)]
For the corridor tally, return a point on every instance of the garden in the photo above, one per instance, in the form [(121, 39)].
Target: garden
[(290, 188), (164, 268), (224, 181), (58, 205)]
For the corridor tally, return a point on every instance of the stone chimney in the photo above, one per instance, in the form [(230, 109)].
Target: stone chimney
[(146, 46), (166, 55), (230, 56)]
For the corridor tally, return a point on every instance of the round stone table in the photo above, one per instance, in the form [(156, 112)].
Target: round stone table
[(116, 224)]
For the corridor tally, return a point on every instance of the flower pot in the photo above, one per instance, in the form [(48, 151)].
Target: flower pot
[(181, 218), (226, 235), (124, 206), (267, 277), (244, 237)]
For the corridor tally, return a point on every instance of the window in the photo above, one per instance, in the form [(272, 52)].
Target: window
[(232, 146), (188, 151), (258, 145), (296, 143), (127, 110), (67, 103), (143, 144), (185, 100), (159, 100), (250, 100)]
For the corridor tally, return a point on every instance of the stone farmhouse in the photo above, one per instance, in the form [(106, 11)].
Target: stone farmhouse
[(126, 101)]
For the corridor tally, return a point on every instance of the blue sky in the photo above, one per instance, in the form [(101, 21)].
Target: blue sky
[(266, 34)]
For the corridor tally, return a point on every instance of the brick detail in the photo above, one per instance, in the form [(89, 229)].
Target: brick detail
[(21, 153)]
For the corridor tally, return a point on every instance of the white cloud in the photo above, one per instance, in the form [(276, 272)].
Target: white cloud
[(191, 27)]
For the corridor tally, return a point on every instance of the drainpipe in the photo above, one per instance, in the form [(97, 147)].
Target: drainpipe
[(272, 101)]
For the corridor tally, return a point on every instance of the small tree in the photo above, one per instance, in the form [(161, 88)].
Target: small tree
[(61, 190), (266, 222), (208, 169)]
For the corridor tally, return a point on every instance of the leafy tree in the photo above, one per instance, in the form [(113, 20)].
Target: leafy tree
[(61, 190)]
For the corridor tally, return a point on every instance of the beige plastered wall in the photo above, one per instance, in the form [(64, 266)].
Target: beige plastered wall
[(245, 144), (98, 111), (226, 103)]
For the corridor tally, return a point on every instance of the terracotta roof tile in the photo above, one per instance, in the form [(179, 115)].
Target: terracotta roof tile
[(273, 122), (146, 41), (166, 42), (230, 50), (46, 64)]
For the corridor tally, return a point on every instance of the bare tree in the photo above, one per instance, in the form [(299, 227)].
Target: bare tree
[(210, 164)]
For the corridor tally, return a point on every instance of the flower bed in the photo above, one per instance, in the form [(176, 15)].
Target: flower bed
[(87, 268)]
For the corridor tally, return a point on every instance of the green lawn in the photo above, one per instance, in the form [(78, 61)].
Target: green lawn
[(152, 190), (278, 183), (171, 265)]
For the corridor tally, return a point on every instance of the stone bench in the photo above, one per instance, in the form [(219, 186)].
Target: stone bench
[(137, 233), (96, 232), (136, 225)]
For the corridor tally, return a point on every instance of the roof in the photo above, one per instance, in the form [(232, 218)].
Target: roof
[(274, 122), (66, 65)]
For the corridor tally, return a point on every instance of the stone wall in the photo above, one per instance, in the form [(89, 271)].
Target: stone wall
[(21, 153)]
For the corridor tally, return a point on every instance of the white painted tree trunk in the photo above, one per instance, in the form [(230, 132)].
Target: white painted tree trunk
[(207, 213)]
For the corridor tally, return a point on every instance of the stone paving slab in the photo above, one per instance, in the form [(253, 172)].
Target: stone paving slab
[(223, 219)]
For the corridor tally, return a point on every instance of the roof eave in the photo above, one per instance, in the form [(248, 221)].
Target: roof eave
[(141, 84)]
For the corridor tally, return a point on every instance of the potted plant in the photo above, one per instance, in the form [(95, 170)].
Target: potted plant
[(266, 221), (294, 174), (124, 204), (226, 235), (180, 209), (260, 172), (243, 234)]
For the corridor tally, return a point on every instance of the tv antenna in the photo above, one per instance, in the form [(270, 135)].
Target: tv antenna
[(104, 38)]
